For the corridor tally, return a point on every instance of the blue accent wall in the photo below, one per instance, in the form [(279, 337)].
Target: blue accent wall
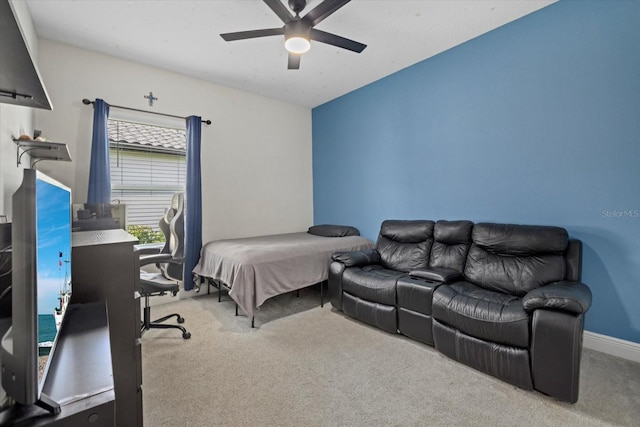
[(536, 122)]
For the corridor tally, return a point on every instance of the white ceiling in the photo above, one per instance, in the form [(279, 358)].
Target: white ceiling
[(183, 36)]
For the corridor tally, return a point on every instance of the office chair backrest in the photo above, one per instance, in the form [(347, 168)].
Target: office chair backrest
[(172, 225)]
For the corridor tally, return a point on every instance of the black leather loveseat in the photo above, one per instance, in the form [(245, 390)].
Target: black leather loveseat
[(502, 298)]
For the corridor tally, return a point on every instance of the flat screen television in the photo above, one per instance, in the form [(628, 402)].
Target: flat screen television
[(41, 286)]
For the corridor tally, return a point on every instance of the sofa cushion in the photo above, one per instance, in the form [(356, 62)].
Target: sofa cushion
[(515, 259), (405, 245), (451, 244), (515, 239), (372, 283), (482, 313)]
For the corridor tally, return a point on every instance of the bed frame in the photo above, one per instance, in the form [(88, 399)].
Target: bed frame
[(221, 286)]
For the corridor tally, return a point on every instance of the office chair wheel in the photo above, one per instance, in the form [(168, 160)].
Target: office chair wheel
[(186, 335), (180, 319)]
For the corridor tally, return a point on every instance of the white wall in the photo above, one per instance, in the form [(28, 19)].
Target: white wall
[(15, 120), (256, 156)]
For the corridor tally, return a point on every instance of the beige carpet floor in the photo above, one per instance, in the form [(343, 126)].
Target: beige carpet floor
[(304, 365)]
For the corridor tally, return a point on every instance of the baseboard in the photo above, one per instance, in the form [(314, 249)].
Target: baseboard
[(616, 347)]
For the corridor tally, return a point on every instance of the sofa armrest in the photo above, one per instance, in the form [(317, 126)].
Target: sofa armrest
[(569, 296), (357, 258), (436, 274)]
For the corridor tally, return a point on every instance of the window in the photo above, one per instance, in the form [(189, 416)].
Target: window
[(148, 165)]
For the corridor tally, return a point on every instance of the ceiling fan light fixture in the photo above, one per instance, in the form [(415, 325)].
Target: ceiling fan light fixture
[(297, 44), (299, 31)]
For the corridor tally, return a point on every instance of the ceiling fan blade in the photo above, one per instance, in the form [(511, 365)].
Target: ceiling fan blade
[(241, 35), (280, 10), (294, 61), (332, 39), (324, 9)]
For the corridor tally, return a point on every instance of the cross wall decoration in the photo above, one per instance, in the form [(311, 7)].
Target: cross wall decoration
[(151, 98)]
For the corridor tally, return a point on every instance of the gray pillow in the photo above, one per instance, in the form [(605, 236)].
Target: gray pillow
[(327, 230)]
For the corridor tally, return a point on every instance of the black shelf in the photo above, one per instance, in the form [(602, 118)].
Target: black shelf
[(80, 376), (20, 82)]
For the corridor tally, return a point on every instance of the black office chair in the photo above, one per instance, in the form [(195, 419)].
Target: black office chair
[(170, 261)]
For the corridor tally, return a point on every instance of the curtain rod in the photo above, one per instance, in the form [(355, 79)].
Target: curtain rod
[(87, 102)]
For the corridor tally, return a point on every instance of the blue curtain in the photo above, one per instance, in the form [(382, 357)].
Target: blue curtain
[(193, 226), (99, 172)]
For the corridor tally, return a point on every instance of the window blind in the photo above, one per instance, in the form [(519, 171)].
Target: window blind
[(145, 173)]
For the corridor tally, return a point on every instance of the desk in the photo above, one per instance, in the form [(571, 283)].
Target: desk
[(80, 376), (105, 267), (95, 224)]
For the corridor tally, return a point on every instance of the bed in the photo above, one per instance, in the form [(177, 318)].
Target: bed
[(255, 269)]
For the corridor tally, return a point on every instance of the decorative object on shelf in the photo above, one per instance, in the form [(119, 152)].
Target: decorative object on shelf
[(40, 149), (37, 135)]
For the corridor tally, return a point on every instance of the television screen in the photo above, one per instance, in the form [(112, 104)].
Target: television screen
[(40, 288), (53, 243)]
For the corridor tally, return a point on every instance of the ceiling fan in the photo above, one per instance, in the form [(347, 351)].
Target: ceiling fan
[(299, 31)]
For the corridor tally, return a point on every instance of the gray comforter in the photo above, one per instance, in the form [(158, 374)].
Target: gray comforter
[(258, 268)]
